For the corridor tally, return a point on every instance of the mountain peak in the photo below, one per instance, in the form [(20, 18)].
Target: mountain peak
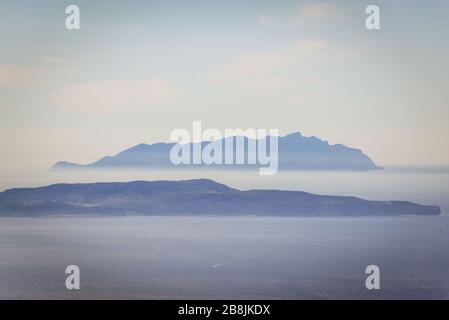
[(295, 152), (296, 134)]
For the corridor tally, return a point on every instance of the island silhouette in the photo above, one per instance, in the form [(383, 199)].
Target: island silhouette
[(295, 152), (190, 197)]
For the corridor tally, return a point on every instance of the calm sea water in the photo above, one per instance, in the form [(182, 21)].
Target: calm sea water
[(240, 258), (216, 257)]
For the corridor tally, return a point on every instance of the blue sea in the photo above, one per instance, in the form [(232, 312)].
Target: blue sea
[(238, 257), (224, 258)]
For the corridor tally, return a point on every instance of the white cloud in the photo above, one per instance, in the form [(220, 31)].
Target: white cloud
[(13, 76), (104, 97), (266, 19), (254, 64), (264, 71), (55, 61), (304, 47), (314, 11), (320, 12), (16, 76)]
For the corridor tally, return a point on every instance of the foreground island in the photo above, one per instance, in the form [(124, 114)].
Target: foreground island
[(190, 197)]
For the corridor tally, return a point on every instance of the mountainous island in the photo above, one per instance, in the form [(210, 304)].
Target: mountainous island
[(295, 152), (190, 197)]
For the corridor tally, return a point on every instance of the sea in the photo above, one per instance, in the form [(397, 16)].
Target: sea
[(244, 257)]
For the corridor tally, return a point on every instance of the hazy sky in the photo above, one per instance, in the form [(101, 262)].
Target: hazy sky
[(139, 69)]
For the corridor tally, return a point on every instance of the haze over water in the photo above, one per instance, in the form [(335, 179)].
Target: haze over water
[(243, 257), (424, 186), (137, 70)]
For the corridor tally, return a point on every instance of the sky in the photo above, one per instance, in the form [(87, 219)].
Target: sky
[(137, 70)]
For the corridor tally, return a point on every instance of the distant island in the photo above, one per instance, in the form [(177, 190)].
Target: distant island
[(191, 197), (296, 152)]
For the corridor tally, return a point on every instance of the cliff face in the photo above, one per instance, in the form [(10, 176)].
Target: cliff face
[(191, 197)]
